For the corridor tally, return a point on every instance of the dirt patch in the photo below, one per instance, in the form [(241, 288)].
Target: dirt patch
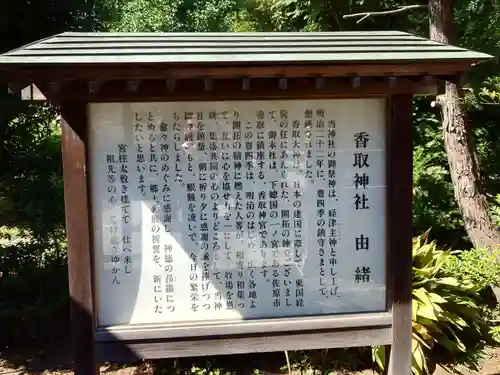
[(490, 366)]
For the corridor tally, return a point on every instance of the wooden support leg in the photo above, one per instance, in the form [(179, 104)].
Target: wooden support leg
[(74, 150), (399, 158)]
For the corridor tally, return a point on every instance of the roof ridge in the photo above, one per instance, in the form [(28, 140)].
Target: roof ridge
[(31, 43), (246, 33)]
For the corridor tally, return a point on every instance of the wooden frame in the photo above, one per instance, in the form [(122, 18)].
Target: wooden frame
[(165, 76), (92, 345), (225, 71), (234, 89), (80, 262)]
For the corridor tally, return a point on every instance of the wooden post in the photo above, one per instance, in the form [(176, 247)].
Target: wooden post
[(74, 149), (400, 153)]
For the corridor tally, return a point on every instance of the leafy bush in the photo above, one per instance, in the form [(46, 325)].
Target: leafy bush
[(451, 323), (33, 296), (328, 361), (476, 266), (434, 204)]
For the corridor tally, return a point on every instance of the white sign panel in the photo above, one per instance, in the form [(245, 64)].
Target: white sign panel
[(224, 211)]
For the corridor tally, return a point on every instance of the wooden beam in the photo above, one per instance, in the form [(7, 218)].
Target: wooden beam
[(131, 351), (54, 87), (320, 83), (245, 84), (356, 82), (427, 79), (399, 196), (74, 158), (232, 89), (133, 85), (95, 85), (283, 83), (15, 87), (170, 83), (209, 84), (262, 327), (164, 71)]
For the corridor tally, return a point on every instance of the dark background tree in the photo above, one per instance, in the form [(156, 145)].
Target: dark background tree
[(33, 286)]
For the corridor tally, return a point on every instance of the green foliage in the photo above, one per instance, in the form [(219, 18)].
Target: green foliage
[(495, 210), (195, 370), (451, 326), (145, 15), (33, 277), (31, 189), (434, 205), (477, 25), (330, 361), (476, 266), (170, 15), (484, 118), (33, 272), (33, 293), (315, 15), (490, 93)]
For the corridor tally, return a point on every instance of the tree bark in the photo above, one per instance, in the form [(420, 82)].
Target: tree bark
[(458, 141)]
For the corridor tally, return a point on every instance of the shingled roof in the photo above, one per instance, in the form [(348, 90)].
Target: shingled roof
[(213, 48)]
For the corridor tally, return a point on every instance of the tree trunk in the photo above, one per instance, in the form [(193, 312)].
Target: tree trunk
[(458, 142)]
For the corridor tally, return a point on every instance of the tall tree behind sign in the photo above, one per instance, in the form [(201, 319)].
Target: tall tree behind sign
[(476, 19), (468, 184), (464, 166)]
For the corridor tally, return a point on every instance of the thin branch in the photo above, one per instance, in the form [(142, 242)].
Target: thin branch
[(364, 15), (337, 20)]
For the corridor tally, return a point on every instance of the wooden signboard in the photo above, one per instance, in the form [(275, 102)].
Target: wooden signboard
[(221, 217), (222, 209), (223, 227)]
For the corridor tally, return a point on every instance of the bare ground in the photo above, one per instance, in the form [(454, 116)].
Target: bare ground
[(490, 366)]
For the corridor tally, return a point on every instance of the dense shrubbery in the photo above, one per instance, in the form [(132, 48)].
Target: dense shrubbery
[(452, 320)]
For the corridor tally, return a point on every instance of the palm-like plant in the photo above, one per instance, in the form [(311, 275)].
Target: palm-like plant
[(450, 323)]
